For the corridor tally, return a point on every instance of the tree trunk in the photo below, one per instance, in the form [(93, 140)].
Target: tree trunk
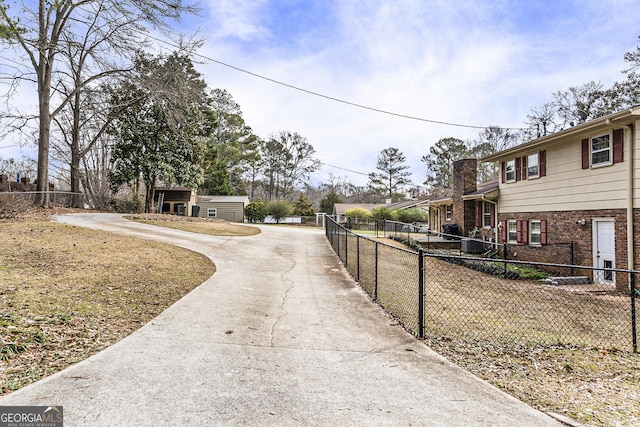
[(75, 154), (42, 187), (148, 202)]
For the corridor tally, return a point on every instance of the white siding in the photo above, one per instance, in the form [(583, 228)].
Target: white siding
[(567, 186)]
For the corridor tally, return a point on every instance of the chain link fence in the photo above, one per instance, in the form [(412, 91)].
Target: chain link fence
[(56, 198), (453, 296)]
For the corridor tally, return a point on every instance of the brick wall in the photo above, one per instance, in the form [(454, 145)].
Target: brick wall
[(563, 227), (465, 175)]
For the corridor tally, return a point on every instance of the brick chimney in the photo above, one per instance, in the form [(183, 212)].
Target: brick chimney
[(465, 176)]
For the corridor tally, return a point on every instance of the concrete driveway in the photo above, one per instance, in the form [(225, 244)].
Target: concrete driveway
[(280, 335)]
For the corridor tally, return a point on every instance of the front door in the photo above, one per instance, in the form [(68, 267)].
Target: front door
[(604, 247)]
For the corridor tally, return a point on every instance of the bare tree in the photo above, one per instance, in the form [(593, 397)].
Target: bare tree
[(90, 28), (287, 160)]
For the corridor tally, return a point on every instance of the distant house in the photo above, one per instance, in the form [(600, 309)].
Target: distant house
[(339, 209), (229, 208), (175, 199), (22, 185), (582, 185)]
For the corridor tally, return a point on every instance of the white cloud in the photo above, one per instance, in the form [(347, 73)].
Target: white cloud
[(467, 62)]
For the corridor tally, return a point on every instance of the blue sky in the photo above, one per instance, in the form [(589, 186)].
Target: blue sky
[(469, 62)]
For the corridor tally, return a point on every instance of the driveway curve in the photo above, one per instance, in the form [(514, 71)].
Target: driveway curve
[(280, 335)]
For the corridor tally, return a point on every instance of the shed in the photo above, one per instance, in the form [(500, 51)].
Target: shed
[(175, 198), (229, 208)]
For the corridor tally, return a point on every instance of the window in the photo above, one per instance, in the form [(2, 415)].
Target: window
[(510, 170), (533, 169), (448, 212), (601, 150), (535, 232), (487, 219), (512, 235), (212, 212)]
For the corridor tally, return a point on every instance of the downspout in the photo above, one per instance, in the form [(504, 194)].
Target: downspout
[(628, 135), (628, 132)]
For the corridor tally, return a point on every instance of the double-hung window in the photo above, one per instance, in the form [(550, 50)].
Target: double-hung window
[(535, 232), (601, 150), (486, 214), (533, 166), (448, 212), (510, 170), (512, 232)]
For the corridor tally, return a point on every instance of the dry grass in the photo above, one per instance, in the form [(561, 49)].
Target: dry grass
[(67, 292), (560, 349), (216, 227)]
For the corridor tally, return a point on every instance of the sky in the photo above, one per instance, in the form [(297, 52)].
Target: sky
[(470, 63)]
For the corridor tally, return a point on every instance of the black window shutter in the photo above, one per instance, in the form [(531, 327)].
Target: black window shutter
[(542, 162)]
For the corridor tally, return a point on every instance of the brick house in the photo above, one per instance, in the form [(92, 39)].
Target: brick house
[(581, 184), (469, 205)]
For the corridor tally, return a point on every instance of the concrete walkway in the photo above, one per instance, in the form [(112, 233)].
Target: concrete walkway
[(279, 335)]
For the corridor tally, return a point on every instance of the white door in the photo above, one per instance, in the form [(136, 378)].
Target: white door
[(604, 247)]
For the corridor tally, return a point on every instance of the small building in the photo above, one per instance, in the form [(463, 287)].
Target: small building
[(175, 199), (229, 208)]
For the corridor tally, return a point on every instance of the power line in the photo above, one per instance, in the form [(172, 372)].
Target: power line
[(331, 98), (344, 169)]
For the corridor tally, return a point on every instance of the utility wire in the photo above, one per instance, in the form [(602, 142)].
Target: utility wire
[(331, 98), (344, 169)]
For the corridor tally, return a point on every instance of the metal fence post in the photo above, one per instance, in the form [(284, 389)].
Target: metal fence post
[(346, 249), (358, 258), (375, 278), (505, 256), (421, 293), (634, 292), (572, 255), (338, 243)]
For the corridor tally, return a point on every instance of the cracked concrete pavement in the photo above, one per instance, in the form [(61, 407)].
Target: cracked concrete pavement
[(279, 335)]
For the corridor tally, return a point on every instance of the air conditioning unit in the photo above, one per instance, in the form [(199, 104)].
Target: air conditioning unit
[(471, 246)]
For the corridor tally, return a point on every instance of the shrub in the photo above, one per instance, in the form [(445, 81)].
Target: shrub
[(279, 209), (255, 211), (303, 207), (412, 215), (13, 204), (357, 213), (132, 204), (383, 212)]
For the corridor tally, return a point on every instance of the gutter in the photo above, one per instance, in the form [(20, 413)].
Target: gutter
[(628, 135), (575, 130)]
